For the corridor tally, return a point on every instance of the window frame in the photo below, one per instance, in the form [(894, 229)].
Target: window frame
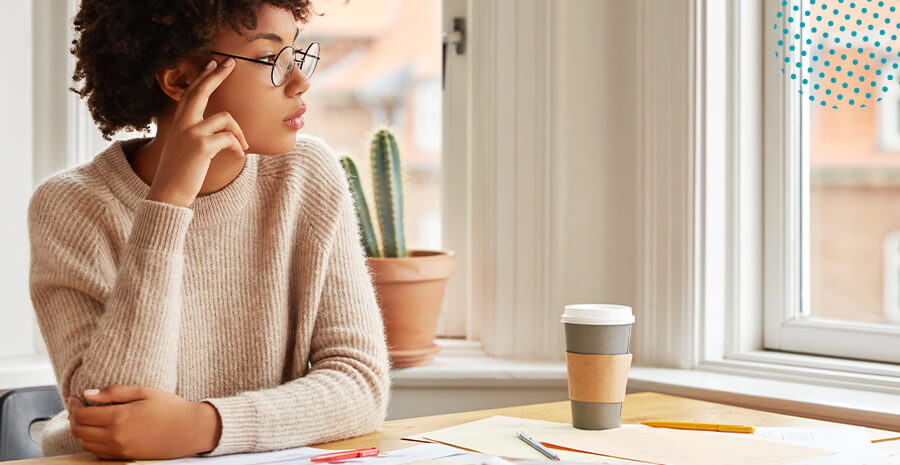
[(889, 115), (892, 277)]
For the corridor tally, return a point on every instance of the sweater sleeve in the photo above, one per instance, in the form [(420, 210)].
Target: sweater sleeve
[(106, 320), (345, 393)]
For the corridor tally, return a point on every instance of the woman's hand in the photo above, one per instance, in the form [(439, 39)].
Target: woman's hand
[(192, 141), (144, 423)]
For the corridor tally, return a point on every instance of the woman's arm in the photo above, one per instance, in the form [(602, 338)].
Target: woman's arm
[(106, 323), (346, 392)]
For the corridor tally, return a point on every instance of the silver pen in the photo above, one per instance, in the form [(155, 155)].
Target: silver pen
[(540, 447)]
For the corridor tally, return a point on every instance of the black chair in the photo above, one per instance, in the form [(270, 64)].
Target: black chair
[(19, 409)]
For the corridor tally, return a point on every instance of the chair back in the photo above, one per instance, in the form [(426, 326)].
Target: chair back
[(19, 409)]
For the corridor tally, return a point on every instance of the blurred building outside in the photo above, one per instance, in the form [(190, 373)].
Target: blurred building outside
[(854, 161), (381, 67)]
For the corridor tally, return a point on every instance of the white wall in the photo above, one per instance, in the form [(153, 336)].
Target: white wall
[(593, 153), (15, 177)]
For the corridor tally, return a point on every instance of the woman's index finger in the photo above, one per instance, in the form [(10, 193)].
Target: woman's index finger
[(196, 96), (191, 85)]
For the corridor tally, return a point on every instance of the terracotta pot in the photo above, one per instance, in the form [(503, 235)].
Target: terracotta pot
[(410, 293)]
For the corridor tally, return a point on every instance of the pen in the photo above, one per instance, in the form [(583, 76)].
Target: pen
[(540, 447), (346, 454), (700, 426)]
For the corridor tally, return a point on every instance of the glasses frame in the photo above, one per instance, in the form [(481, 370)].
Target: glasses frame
[(290, 69)]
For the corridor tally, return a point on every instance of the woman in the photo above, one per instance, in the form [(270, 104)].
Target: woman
[(203, 291)]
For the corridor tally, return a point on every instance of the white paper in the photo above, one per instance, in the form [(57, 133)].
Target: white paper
[(837, 438), (851, 442), (893, 459)]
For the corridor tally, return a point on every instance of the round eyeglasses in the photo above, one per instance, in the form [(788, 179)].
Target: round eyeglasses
[(285, 61)]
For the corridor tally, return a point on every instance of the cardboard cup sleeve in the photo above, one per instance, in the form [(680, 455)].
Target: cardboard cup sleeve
[(597, 378)]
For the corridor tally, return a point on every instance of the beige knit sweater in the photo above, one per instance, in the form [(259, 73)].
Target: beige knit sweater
[(256, 299)]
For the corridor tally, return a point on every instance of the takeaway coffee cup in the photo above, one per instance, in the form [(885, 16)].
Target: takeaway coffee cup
[(597, 362)]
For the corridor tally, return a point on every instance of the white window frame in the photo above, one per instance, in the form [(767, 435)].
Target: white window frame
[(892, 278), (889, 113)]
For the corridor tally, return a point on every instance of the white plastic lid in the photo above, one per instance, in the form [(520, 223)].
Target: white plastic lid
[(598, 314)]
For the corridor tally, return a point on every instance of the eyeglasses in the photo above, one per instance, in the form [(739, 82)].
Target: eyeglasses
[(285, 61)]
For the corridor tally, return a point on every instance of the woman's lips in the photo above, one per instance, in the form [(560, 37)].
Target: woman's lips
[(295, 120), (294, 123)]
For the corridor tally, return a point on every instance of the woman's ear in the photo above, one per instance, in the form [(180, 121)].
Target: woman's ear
[(174, 81)]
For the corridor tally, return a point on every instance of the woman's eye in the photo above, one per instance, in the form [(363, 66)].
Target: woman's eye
[(268, 58)]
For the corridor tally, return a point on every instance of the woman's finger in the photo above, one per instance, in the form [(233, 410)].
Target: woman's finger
[(223, 141), (222, 121), (93, 416), (210, 68), (193, 102), (117, 393), (90, 433)]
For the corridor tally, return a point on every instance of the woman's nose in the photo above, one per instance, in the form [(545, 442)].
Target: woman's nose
[(300, 81)]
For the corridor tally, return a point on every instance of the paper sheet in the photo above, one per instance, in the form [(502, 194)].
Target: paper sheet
[(538, 429), (837, 438), (890, 460), (851, 442), (497, 436), (679, 447)]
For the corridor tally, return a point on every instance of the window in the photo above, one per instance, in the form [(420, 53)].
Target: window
[(836, 180), (381, 66)]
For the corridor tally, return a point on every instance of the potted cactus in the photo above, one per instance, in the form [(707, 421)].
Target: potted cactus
[(410, 284)]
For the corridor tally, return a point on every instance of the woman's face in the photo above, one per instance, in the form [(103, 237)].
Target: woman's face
[(248, 94)]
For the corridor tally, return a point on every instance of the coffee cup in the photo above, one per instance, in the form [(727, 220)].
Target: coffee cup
[(598, 337)]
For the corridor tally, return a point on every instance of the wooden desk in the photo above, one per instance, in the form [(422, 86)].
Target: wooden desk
[(638, 407)]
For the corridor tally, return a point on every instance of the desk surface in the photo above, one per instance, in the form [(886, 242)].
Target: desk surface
[(638, 407)]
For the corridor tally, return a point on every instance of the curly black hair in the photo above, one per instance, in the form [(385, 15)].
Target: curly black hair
[(120, 45)]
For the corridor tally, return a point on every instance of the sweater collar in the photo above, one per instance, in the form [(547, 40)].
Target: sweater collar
[(210, 208)]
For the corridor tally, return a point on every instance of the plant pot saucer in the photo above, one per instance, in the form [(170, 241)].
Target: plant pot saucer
[(413, 357)]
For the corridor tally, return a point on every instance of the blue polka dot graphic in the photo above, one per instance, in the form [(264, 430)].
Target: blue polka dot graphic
[(843, 53)]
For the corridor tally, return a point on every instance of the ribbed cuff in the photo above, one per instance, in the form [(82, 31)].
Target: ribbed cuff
[(240, 425), (160, 226)]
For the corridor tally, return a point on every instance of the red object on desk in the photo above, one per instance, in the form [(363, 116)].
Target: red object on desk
[(347, 454)]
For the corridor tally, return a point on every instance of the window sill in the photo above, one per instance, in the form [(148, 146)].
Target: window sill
[(853, 406), (26, 370), (462, 364)]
